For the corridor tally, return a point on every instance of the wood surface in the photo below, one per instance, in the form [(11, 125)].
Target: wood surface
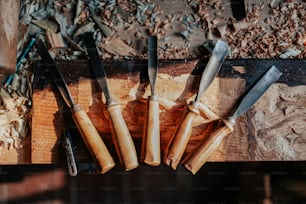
[(252, 140)]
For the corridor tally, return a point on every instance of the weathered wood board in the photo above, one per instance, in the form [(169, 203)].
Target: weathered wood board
[(177, 84)]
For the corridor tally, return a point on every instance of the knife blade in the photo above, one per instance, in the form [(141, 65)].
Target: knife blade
[(178, 142), (197, 158), (150, 152), (123, 141), (89, 134)]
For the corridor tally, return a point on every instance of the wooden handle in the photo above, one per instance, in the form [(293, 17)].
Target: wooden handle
[(92, 139), (123, 140), (179, 141), (207, 113), (8, 35), (197, 158), (151, 135)]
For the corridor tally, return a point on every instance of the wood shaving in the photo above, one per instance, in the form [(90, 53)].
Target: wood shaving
[(13, 121), (47, 25), (118, 47)]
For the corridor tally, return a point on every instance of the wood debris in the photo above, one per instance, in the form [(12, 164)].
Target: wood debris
[(272, 29), (13, 120), (118, 47)]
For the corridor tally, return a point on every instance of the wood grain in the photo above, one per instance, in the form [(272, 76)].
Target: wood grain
[(176, 87), (174, 91)]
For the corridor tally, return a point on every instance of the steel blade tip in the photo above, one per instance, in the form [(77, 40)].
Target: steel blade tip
[(221, 48), (275, 72)]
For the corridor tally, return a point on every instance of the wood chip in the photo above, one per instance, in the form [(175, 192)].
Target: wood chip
[(87, 27), (55, 39), (118, 47), (107, 32), (47, 25)]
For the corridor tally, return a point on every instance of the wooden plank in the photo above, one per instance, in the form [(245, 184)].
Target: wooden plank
[(177, 84), (17, 156)]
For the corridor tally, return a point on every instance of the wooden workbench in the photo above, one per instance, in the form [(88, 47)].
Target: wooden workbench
[(271, 130)]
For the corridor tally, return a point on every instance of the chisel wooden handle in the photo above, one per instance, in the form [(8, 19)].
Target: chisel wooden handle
[(151, 135), (122, 138), (92, 139), (197, 158), (179, 141)]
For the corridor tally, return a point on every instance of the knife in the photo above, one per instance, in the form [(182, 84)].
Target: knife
[(90, 135), (197, 158), (179, 139), (122, 138), (150, 152)]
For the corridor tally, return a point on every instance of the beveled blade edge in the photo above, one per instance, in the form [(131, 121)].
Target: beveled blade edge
[(213, 66), (261, 86)]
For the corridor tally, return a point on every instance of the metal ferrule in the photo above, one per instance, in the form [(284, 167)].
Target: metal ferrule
[(76, 108), (230, 122), (153, 98), (194, 107), (111, 102)]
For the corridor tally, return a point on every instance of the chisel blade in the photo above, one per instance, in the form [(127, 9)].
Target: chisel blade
[(152, 62), (213, 66), (257, 91), (97, 66), (55, 74)]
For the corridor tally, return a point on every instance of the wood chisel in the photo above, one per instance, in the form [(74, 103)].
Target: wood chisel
[(123, 141), (196, 159), (90, 135), (150, 150), (179, 140)]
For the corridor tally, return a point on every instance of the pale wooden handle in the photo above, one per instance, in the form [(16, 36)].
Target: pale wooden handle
[(151, 135), (122, 138), (92, 140), (179, 141), (196, 159)]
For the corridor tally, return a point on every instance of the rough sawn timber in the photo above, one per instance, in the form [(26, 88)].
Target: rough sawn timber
[(177, 84)]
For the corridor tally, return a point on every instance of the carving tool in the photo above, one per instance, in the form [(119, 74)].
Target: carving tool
[(90, 135), (74, 166), (122, 138), (150, 151), (23, 55), (179, 140), (197, 158)]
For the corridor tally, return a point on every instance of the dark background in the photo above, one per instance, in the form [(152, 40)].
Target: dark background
[(244, 183)]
